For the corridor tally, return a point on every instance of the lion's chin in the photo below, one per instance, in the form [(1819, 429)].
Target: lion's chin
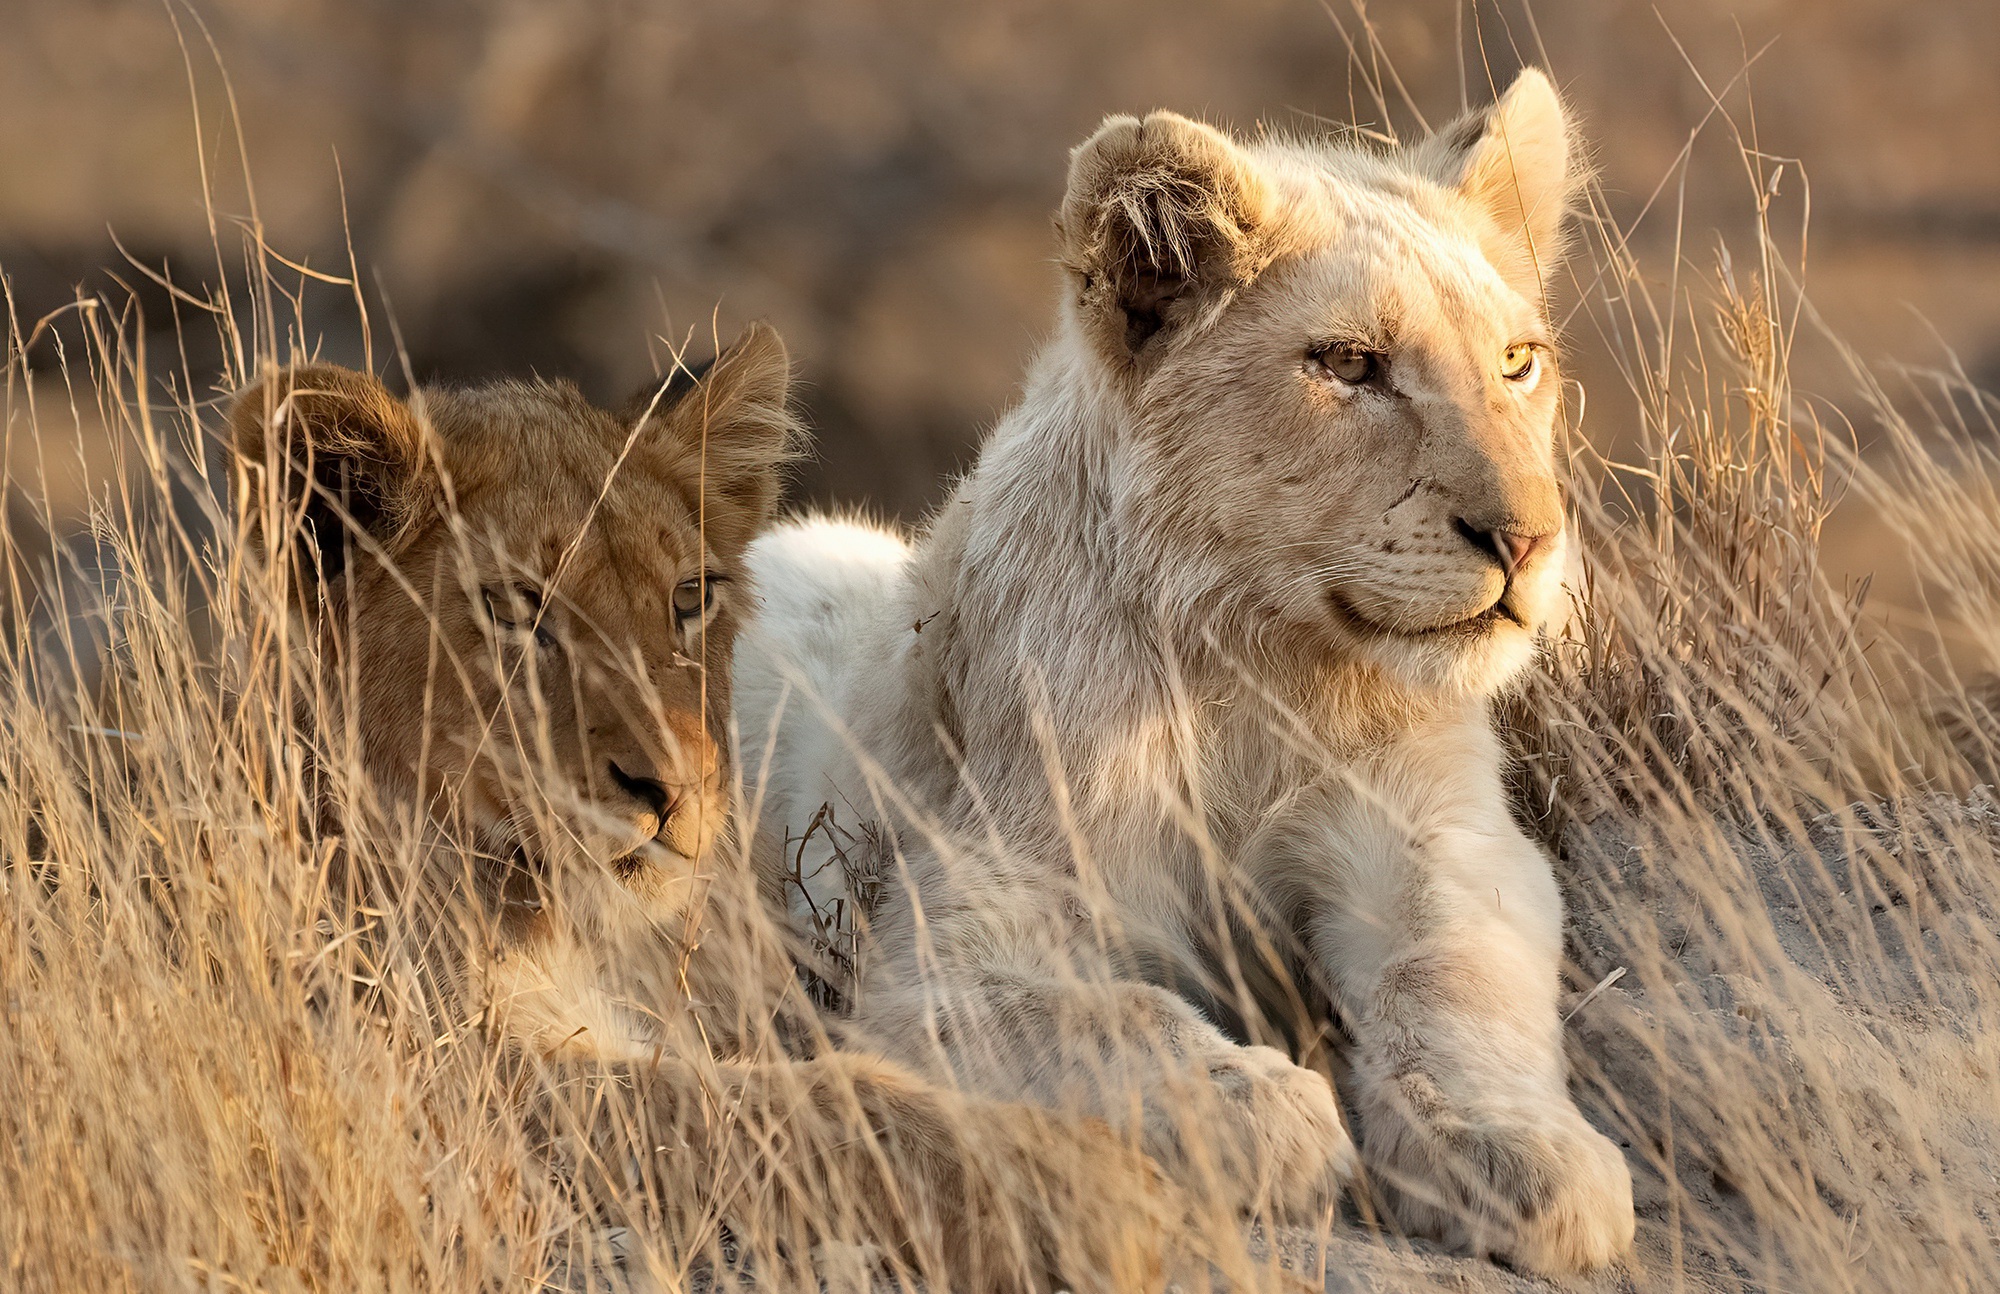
[(1478, 654), (653, 856), (1473, 665)]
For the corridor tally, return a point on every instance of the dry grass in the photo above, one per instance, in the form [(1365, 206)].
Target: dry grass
[(1770, 815), (208, 1085), (220, 1069)]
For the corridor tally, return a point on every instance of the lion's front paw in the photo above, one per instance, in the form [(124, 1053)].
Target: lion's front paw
[(1276, 1139), (1540, 1190)]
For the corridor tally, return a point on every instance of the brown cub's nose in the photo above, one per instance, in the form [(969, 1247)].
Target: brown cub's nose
[(649, 791), (1509, 548)]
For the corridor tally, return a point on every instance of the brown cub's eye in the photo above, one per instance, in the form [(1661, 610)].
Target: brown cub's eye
[(517, 610), (1520, 361), (695, 600), (1349, 363)]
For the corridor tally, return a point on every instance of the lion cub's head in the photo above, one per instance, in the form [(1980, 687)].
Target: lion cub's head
[(534, 599), (1338, 378)]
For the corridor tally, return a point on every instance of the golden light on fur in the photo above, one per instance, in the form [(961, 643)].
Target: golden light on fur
[(262, 1029)]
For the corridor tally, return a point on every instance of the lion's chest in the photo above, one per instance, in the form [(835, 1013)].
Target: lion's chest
[(1176, 830)]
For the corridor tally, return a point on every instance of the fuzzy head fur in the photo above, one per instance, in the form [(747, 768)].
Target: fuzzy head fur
[(1335, 381), (534, 601)]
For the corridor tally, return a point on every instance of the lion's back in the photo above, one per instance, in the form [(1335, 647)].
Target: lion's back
[(825, 587)]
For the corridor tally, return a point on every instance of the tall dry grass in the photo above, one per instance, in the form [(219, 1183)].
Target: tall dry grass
[(222, 1067), (211, 1082), (1773, 817)]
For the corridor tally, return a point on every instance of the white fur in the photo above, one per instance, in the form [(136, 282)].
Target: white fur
[(1167, 707), (825, 581)]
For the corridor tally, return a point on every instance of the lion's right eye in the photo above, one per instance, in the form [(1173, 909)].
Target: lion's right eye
[(517, 610), (1348, 363)]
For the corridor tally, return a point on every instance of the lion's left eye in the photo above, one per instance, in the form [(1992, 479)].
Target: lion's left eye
[(696, 599), (1520, 362)]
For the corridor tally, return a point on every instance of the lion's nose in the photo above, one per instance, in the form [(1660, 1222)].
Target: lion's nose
[(650, 791), (1511, 549)]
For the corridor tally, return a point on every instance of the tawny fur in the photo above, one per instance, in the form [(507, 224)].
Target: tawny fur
[(508, 585), (1179, 709)]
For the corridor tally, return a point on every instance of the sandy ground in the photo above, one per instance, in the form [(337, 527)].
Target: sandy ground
[(1843, 1075)]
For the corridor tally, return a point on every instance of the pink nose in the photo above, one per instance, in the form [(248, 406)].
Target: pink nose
[(1509, 548), (1514, 550)]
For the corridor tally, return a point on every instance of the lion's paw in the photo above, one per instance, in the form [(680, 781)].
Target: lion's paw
[(1284, 1149), (1544, 1191)]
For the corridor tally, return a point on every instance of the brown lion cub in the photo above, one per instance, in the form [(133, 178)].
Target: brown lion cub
[(526, 606)]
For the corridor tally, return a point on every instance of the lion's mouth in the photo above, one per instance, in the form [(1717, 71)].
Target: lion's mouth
[(1501, 612), (520, 878), (524, 872), (1477, 625), (626, 866)]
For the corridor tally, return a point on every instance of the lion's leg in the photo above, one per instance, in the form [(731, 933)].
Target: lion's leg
[(1443, 947), (1241, 1126), (854, 1153)]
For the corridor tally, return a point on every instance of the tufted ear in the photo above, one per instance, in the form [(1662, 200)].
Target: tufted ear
[(1516, 164), (1161, 220), (729, 425), (343, 456)]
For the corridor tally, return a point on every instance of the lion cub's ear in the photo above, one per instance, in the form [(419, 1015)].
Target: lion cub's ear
[(1160, 221), (343, 457), (1516, 163), (728, 426)]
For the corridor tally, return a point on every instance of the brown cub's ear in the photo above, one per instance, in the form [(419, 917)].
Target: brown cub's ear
[(727, 428), (1161, 220), (343, 456), (1516, 163)]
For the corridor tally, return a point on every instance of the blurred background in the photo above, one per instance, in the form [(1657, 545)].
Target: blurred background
[(555, 185)]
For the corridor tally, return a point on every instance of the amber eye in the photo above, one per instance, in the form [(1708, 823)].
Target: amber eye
[(695, 600), (1520, 361), (1348, 363), (518, 609)]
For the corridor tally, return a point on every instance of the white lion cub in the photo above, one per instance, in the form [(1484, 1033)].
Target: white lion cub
[(1184, 697)]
